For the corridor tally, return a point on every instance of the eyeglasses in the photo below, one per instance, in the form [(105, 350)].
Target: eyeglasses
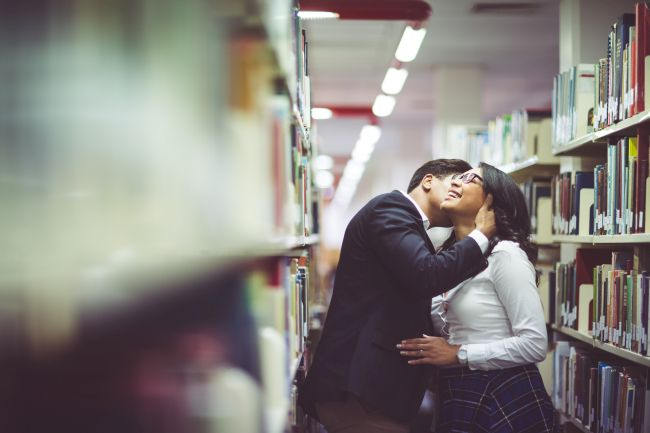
[(467, 177)]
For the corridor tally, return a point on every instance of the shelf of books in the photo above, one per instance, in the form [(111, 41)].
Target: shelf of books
[(598, 300), (573, 239), (597, 393), (186, 240), (640, 238), (564, 418)]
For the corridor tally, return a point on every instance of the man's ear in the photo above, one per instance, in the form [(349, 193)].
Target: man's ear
[(426, 182)]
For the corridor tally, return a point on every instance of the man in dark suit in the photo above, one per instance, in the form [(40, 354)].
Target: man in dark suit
[(387, 274)]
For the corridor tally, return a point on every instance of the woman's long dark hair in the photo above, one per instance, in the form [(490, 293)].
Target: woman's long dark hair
[(510, 210)]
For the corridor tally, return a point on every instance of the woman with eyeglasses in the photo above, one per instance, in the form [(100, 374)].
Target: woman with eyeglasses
[(492, 325)]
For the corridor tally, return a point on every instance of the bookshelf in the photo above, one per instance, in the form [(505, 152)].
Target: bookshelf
[(195, 236), (570, 332), (564, 418), (573, 239), (631, 239), (594, 142), (639, 238), (543, 241), (568, 209), (606, 347), (531, 167)]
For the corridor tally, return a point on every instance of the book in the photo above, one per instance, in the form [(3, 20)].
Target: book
[(573, 103)]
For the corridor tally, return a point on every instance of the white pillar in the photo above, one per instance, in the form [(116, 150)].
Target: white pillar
[(458, 101)]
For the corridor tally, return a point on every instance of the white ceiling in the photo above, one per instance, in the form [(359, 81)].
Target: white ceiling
[(348, 60)]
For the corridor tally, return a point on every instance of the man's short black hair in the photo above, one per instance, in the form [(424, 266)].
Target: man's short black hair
[(439, 168)]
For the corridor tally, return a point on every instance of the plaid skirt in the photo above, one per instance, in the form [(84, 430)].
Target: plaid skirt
[(499, 401)]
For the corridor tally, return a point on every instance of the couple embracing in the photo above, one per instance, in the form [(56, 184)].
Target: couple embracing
[(484, 329)]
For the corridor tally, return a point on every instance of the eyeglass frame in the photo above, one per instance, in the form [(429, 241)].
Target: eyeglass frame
[(467, 178)]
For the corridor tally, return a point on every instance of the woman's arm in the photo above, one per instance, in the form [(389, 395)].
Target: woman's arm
[(514, 280)]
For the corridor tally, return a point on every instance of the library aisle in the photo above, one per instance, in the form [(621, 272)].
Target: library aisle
[(176, 179)]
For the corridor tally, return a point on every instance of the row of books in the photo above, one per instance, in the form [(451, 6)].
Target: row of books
[(589, 97), (280, 297), (620, 77), (572, 196), (295, 200), (620, 304), (603, 295), (572, 103), (304, 203), (513, 138), (535, 190), (571, 290), (611, 199), (281, 301), (620, 187), (603, 396)]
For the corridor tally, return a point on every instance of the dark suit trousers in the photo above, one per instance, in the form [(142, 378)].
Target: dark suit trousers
[(350, 416)]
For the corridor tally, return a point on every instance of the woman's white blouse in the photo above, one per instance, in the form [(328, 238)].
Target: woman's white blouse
[(497, 315)]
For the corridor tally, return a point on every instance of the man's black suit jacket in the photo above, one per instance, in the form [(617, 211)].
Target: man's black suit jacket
[(387, 274)]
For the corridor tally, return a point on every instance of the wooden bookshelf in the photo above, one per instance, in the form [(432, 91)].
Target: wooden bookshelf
[(274, 247), (606, 347), (593, 143), (579, 147), (294, 365), (298, 120), (573, 239), (542, 242), (626, 127), (640, 238), (631, 239), (520, 171), (622, 353), (570, 332)]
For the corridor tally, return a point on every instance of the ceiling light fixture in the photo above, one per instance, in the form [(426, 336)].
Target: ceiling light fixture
[(324, 179), (370, 134), (410, 43), (383, 105), (319, 113), (394, 81), (317, 15), (323, 162)]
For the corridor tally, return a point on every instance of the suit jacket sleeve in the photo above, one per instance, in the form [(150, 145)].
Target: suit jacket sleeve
[(401, 248)]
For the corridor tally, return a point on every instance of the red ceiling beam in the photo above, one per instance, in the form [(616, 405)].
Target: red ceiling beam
[(351, 111), (399, 10)]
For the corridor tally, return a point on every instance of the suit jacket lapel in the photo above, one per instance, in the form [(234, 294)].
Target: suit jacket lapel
[(427, 239)]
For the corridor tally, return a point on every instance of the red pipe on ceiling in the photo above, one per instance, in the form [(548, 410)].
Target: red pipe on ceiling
[(399, 10)]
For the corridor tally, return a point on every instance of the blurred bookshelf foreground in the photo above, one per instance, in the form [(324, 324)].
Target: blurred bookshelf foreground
[(158, 221)]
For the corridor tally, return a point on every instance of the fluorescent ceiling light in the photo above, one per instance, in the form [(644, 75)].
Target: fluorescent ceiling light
[(394, 81), (321, 113), (354, 170), (324, 179), (370, 134), (317, 15), (409, 44), (361, 154), (323, 162), (383, 105)]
